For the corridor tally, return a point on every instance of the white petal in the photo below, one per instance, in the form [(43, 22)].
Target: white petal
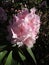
[(14, 35)]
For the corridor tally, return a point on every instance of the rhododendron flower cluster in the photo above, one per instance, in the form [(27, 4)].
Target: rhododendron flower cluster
[(24, 27), (3, 15)]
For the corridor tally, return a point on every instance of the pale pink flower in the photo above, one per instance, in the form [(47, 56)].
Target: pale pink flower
[(23, 13), (24, 28)]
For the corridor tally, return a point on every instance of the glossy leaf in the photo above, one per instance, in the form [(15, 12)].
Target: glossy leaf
[(9, 59), (31, 53), (22, 56), (2, 54)]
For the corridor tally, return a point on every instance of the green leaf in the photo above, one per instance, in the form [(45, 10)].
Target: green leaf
[(2, 54), (22, 56), (2, 46), (31, 53), (14, 62), (9, 59)]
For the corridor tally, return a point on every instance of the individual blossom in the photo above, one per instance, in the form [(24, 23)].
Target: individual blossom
[(23, 13), (3, 15), (24, 28)]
